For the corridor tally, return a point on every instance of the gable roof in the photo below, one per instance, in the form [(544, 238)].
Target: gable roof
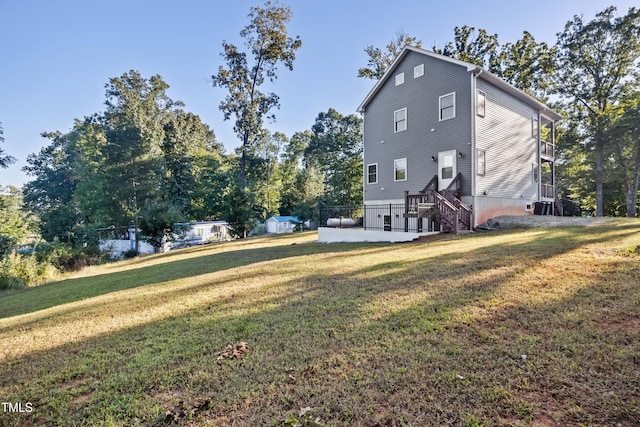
[(478, 71), (285, 218)]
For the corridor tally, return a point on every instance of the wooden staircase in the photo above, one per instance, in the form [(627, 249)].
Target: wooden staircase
[(454, 216)]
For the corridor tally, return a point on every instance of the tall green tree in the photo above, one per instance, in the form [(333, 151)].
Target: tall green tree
[(380, 60), (335, 149), (265, 180), (269, 46), (5, 159), (625, 134), (187, 147), (137, 111), (50, 194), (16, 224), (527, 65), (476, 47), (595, 65)]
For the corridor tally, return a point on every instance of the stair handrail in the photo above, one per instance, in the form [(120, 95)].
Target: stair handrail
[(432, 185), (451, 193), (448, 212), (558, 204)]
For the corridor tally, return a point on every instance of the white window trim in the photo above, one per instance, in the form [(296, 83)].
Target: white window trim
[(399, 79), (376, 181), (481, 171), (396, 121), (440, 106), (418, 71), (481, 95), (395, 169)]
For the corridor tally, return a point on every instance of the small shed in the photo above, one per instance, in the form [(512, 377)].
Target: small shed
[(282, 224)]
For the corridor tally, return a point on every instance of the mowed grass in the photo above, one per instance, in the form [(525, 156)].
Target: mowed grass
[(537, 327)]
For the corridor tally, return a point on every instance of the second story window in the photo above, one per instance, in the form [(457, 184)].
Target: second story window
[(447, 106), (400, 170), (481, 107), (400, 120), (372, 173), (399, 79)]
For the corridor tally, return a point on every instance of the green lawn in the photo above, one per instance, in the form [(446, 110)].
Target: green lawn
[(537, 327)]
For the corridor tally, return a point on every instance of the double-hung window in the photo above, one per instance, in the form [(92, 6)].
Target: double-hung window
[(400, 120), (447, 106), (481, 106), (481, 162), (372, 173), (400, 169)]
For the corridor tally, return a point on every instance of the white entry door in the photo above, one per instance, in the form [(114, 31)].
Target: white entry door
[(447, 169)]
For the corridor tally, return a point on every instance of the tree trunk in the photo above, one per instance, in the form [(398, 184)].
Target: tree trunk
[(599, 176), (243, 161), (631, 190)]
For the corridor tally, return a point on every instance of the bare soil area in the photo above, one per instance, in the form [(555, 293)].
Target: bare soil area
[(513, 221)]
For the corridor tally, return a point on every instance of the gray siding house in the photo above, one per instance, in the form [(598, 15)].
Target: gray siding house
[(452, 142)]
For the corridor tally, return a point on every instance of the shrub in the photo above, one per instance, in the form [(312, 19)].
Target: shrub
[(131, 253), (18, 271)]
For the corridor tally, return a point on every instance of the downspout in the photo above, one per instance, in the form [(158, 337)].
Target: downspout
[(474, 161), (539, 155)]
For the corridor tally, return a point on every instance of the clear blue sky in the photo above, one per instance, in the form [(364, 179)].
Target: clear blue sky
[(57, 56)]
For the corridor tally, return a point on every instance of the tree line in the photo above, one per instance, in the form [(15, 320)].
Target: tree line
[(591, 76), (148, 163)]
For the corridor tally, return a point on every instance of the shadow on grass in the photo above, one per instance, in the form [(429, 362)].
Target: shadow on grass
[(364, 364), (76, 289)]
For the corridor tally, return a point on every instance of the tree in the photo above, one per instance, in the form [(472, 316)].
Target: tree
[(159, 223), (50, 194), (188, 147), (625, 134), (137, 111), (241, 213), (595, 62), (335, 149), (481, 50), (5, 159), (269, 45), (16, 224), (527, 65), (379, 60)]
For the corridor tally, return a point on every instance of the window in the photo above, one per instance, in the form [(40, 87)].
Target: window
[(447, 106), (481, 162), (387, 223), (372, 173), (418, 71), (399, 79), (534, 172), (400, 170), (534, 127), (400, 120), (482, 104)]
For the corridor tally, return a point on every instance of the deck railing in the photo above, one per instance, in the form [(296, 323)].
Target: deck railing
[(547, 149), (381, 217), (548, 191)]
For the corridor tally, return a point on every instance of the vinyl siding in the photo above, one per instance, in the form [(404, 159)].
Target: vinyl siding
[(417, 143), (505, 134)]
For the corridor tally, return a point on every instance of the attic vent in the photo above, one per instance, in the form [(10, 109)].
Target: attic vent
[(399, 79), (418, 71)]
